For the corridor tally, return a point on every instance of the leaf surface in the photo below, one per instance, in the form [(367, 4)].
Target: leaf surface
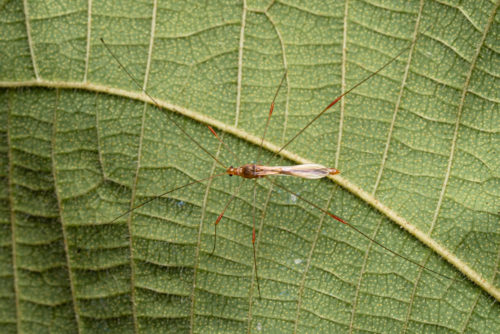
[(81, 144)]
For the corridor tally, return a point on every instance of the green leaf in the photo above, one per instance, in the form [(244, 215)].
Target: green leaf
[(418, 146)]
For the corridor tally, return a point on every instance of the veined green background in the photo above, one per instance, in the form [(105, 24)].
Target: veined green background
[(78, 148)]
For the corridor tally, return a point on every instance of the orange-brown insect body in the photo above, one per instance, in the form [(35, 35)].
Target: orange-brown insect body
[(248, 171)]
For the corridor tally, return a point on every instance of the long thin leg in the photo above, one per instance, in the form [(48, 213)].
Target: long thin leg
[(337, 100), (222, 214), (253, 235), (224, 143), (149, 201), (134, 80), (271, 109), (337, 218)]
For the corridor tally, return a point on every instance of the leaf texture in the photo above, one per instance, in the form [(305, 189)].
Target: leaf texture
[(80, 145)]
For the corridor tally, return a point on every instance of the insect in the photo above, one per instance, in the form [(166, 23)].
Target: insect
[(258, 171)]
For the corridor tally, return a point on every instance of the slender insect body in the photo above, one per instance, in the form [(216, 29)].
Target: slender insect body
[(306, 171)]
